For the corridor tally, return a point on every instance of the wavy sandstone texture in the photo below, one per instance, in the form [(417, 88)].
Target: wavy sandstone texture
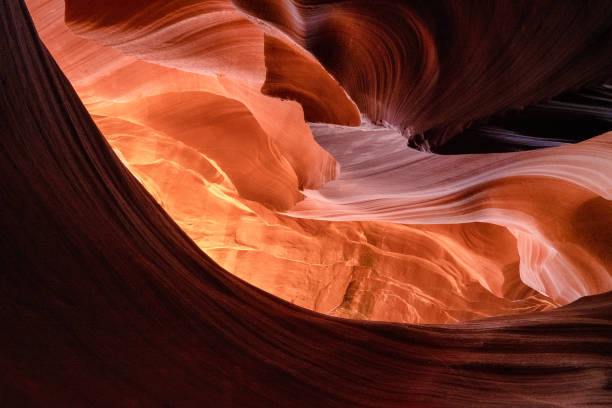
[(178, 88), (555, 202), (107, 302), (431, 68)]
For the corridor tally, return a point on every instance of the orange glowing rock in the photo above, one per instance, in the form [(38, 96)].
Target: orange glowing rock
[(185, 94)]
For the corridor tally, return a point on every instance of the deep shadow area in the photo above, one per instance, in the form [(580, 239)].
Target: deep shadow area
[(571, 117)]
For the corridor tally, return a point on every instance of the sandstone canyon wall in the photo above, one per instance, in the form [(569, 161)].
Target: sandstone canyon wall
[(178, 113), (165, 155)]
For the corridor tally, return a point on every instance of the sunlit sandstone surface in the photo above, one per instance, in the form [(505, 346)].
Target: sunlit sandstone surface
[(229, 115)]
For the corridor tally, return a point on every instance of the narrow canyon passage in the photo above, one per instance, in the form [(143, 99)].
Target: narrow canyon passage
[(442, 260), (212, 203)]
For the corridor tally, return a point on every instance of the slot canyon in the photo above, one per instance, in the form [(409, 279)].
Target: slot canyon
[(306, 203)]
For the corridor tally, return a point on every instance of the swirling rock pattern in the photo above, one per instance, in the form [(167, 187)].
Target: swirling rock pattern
[(430, 69), (107, 302), (539, 196), (213, 37), (177, 113), (366, 271)]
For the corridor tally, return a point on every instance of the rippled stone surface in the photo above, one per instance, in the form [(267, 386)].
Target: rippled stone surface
[(430, 239), (108, 302)]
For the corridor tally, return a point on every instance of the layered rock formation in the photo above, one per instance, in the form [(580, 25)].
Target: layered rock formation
[(541, 197), (107, 302), (179, 90), (430, 69)]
